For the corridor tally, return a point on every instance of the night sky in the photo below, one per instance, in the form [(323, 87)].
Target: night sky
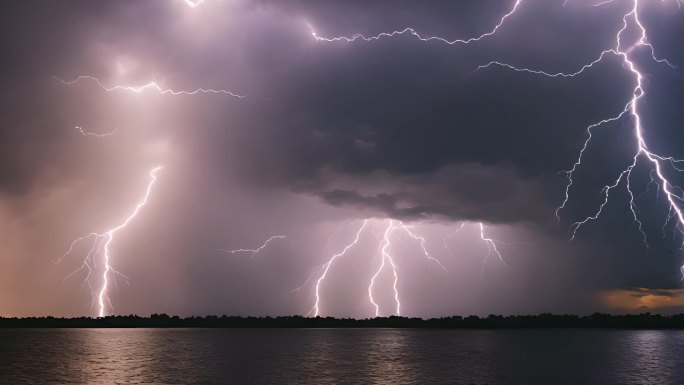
[(397, 130)]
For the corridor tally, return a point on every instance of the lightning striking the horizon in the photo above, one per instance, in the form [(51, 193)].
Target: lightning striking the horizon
[(101, 245), (386, 258), (153, 85), (658, 163), (387, 261), (326, 267), (254, 251)]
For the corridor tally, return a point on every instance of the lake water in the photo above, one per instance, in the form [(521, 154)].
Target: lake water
[(320, 356)]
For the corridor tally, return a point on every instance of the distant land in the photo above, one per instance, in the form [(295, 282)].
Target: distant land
[(541, 321)]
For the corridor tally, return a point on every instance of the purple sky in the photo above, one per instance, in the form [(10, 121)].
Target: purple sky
[(397, 130)]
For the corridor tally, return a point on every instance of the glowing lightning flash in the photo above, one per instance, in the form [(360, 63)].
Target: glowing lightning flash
[(102, 245), (193, 3), (149, 86)]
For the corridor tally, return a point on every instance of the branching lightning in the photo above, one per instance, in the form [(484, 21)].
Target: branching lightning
[(422, 241), (386, 258), (148, 86), (101, 246), (491, 245), (387, 261), (326, 267), (101, 243), (253, 252), (643, 154)]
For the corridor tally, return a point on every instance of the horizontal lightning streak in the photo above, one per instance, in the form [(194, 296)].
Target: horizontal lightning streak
[(148, 86), (548, 74), (413, 32), (258, 249)]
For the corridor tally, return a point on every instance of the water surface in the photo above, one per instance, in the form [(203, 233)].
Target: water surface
[(319, 356)]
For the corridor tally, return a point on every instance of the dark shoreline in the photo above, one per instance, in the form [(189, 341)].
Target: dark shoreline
[(541, 321)]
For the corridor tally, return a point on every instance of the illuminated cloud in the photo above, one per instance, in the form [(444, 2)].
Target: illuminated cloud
[(640, 299)]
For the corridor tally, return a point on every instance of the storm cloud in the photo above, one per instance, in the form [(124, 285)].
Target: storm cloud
[(328, 133)]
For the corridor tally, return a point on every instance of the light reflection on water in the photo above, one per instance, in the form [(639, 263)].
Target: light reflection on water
[(318, 356), (648, 357)]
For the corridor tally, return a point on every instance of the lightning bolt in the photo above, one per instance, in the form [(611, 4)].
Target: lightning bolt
[(458, 230), (101, 245), (420, 37), (148, 86), (257, 250), (491, 245), (422, 241), (326, 267), (549, 74), (658, 163), (386, 257)]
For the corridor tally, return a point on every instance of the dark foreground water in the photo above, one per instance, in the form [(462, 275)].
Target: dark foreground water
[(318, 356)]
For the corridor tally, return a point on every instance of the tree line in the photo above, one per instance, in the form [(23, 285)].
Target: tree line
[(541, 321)]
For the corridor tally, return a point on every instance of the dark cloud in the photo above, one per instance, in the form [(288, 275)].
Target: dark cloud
[(408, 109)]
